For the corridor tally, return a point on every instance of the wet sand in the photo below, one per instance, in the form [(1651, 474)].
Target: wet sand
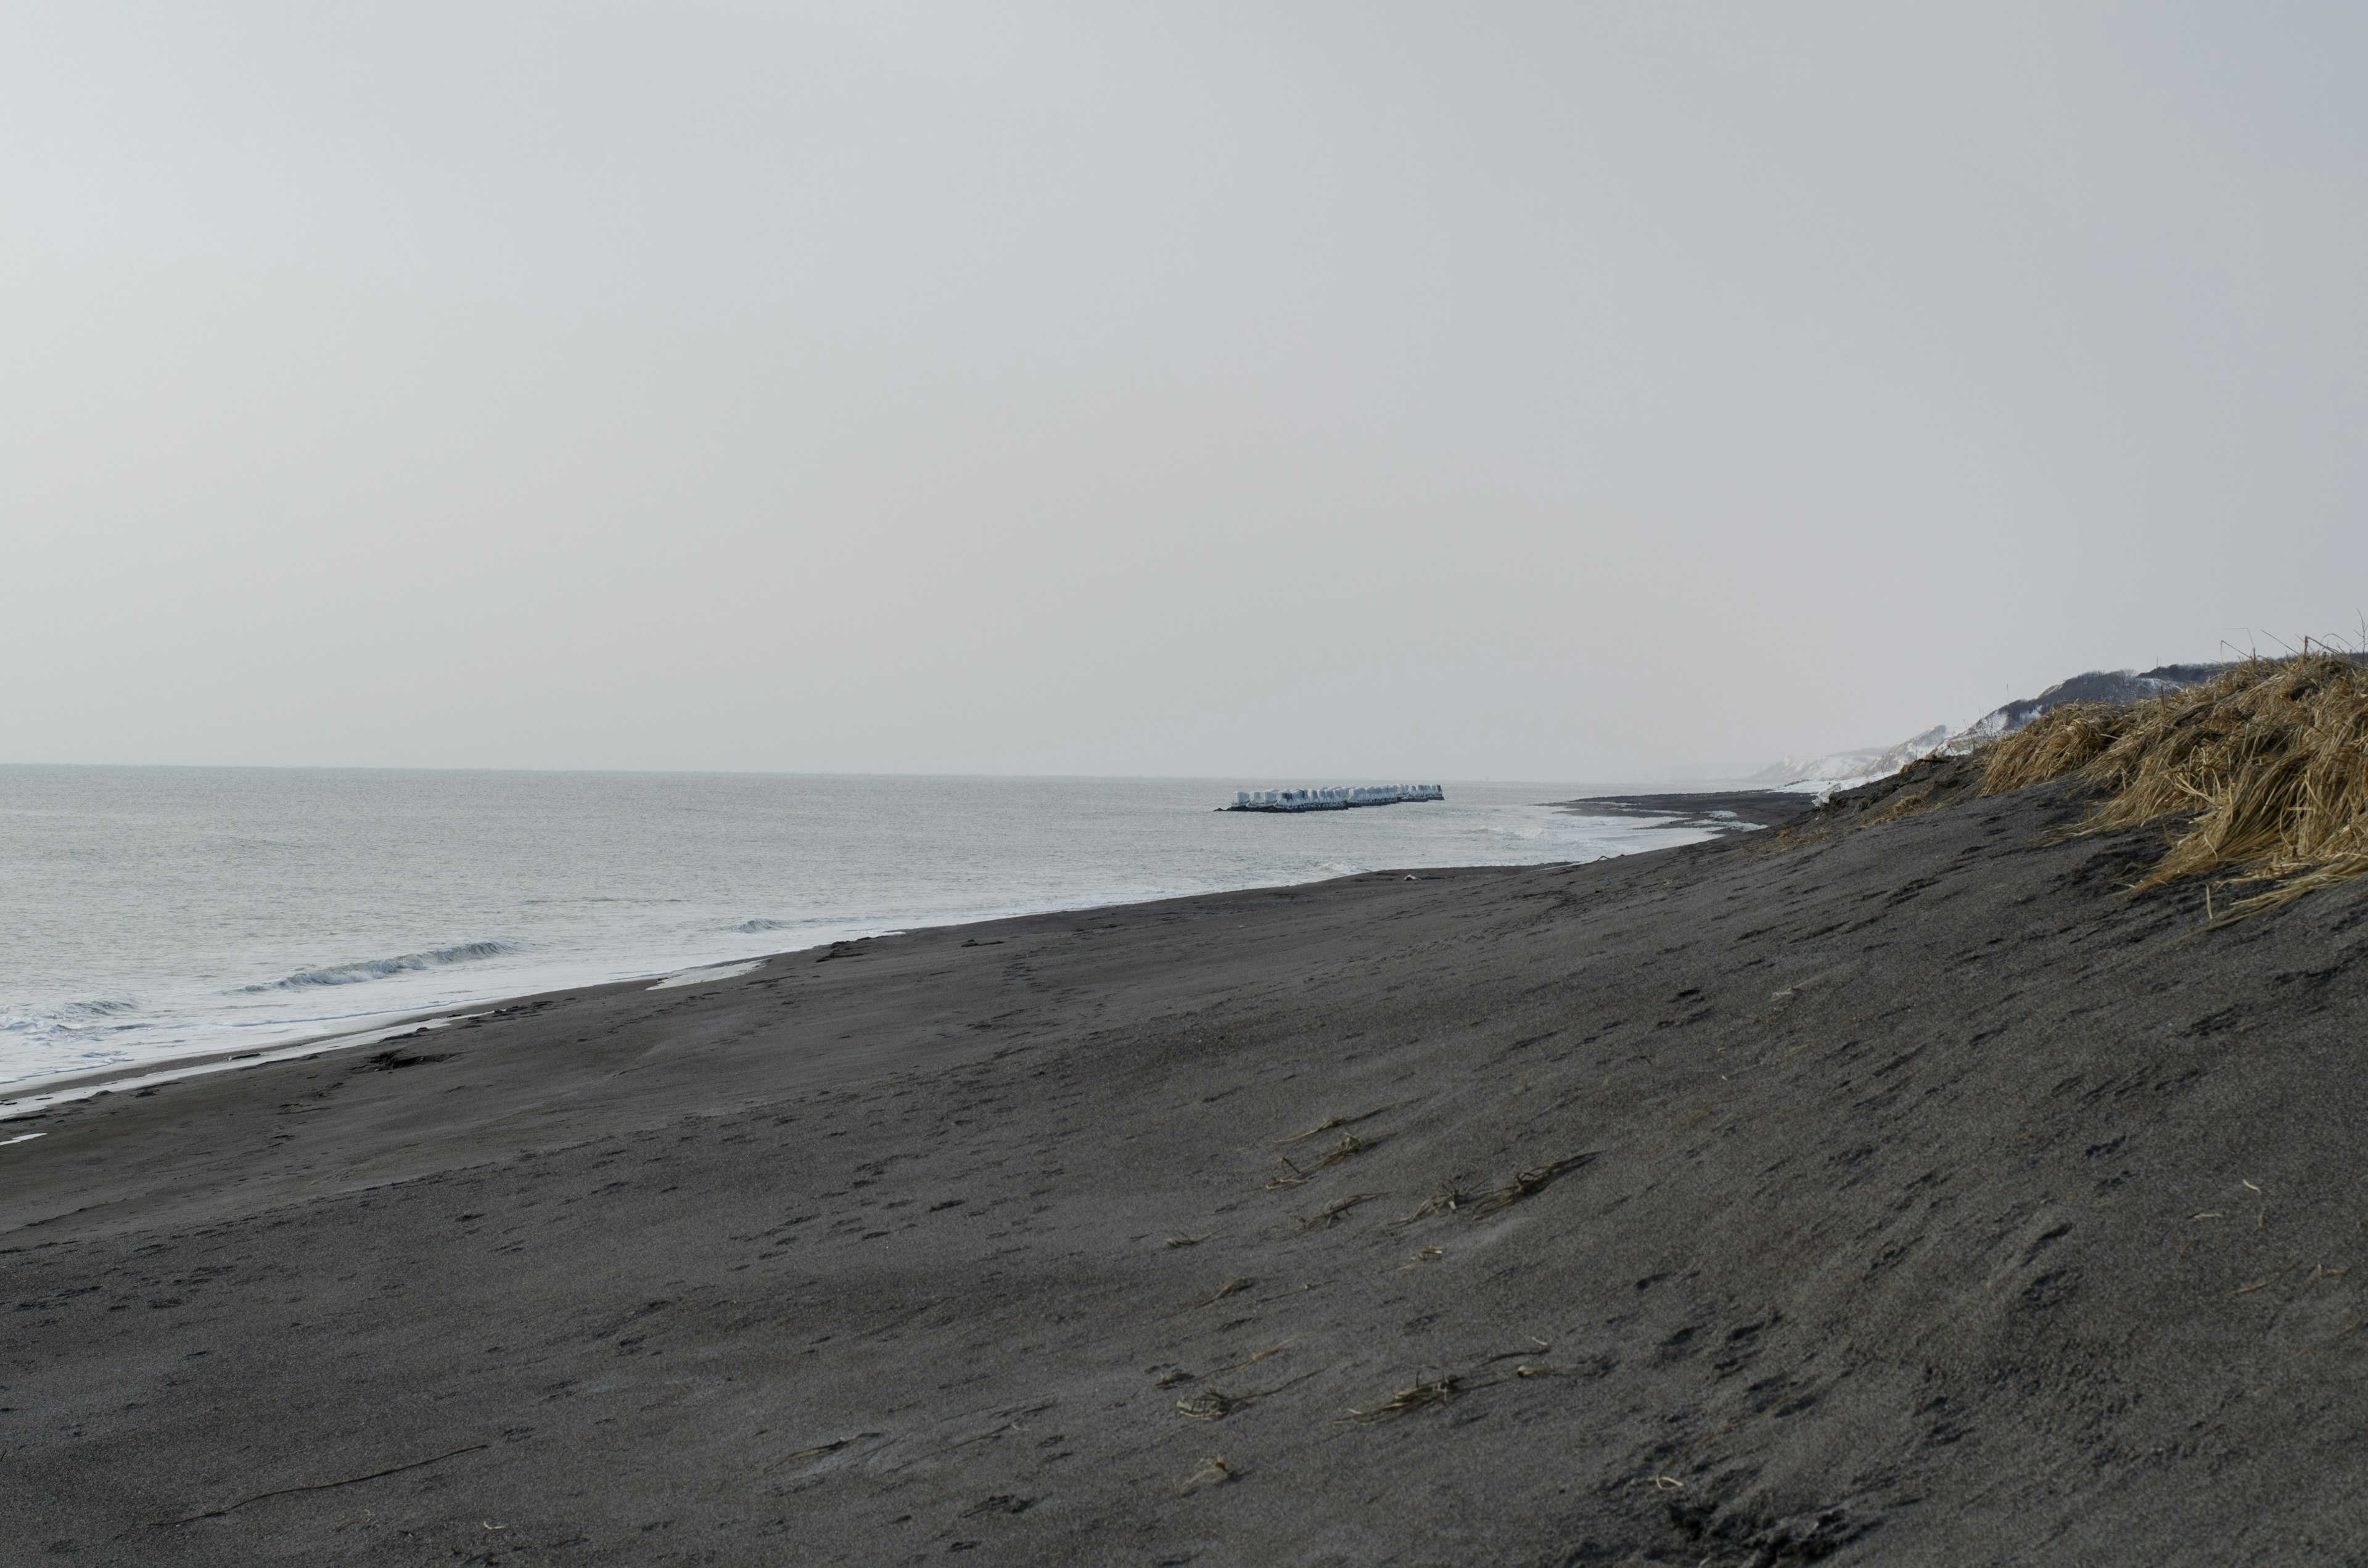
[(1904, 1193), (1730, 810)]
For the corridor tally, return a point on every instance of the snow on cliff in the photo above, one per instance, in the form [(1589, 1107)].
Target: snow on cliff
[(1844, 770), (1875, 762), (2097, 686)]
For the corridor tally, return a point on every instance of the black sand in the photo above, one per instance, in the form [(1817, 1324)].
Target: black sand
[(1919, 1198), (1731, 811)]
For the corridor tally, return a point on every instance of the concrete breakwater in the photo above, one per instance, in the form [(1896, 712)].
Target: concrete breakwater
[(1338, 800)]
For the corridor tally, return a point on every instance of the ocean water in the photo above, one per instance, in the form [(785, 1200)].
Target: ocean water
[(152, 914)]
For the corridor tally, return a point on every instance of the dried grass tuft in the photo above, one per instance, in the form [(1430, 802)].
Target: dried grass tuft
[(1526, 1183), (1254, 1360), (1325, 1126), (1470, 1381), (1407, 1401), (1292, 1175), (1227, 1289), (2266, 766), (1214, 1405), (1212, 1473), (1444, 1203), (1349, 1144)]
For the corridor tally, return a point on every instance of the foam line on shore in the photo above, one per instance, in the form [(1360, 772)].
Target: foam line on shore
[(706, 972), (42, 1094)]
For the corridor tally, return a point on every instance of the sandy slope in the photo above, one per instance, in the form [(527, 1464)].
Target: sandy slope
[(1925, 1200)]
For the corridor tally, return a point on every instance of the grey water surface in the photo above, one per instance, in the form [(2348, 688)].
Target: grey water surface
[(154, 913)]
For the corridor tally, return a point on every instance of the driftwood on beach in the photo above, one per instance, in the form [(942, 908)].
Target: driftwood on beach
[(1892, 1185)]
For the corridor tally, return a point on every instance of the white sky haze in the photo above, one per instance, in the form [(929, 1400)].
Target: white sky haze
[(1284, 393)]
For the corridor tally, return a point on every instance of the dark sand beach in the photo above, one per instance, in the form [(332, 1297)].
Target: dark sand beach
[(1884, 1192), (1731, 811)]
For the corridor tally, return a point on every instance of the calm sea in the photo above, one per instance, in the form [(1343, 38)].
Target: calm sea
[(152, 913)]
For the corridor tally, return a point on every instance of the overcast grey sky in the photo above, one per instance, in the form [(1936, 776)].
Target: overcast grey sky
[(1273, 391)]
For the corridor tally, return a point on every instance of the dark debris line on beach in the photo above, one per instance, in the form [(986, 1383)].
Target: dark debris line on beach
[(1904, 1193), (1732, 810)]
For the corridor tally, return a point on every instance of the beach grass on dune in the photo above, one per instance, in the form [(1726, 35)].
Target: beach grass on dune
[(2263, 771)]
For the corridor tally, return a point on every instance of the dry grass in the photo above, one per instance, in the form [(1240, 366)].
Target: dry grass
[(1254, 1360), (1407, 1401), (1214, 1405), (1439, 1391), (1227, 1289), (1213, 1471), (1927, 785), (1292, 1175), (1349, 1144), (1329, 1215), (1526, 1184), (2266, 768), (1445, 1203)]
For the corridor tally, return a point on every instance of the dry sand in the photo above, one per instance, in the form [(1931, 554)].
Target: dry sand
[(1893, 1194)]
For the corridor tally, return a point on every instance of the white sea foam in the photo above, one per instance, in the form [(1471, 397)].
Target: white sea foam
[(101, 1009), (378, 969), (78, 1016), (710, 971)]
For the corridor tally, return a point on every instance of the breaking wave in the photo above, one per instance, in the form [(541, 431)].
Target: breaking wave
[(378, 969), (750, 927), (73, 1017)]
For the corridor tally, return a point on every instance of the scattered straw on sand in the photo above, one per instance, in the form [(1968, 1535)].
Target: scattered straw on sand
[(1407, 1401), (1329, 1215), (1526, 1183), (1292, 1175), (1328, 1123), (1254, 1360), (1213, 1471), (1445, 1203), (2267, 764), (1439, 1391), (1216, 1405), (1227, 1289), (1349, 1144)]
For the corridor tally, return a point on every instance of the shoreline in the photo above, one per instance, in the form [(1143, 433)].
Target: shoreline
[(1710, 810), (40, 1094), (1871, 1194), (19, 1098), (63, 1089)]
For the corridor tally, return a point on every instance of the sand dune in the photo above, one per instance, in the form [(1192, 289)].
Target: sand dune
[(1895, 1194)]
